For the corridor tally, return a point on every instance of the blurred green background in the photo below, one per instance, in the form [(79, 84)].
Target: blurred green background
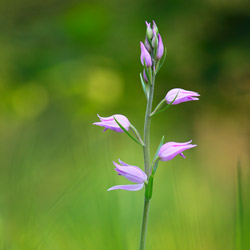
[(62, 62)]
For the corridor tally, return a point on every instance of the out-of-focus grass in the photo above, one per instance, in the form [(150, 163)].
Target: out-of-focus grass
[(53, 194)]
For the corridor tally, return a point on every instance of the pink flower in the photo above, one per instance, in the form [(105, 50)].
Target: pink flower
[(145, 56), (110, 123), (131, 173), (171, 149), (160, 48), (183, 96)]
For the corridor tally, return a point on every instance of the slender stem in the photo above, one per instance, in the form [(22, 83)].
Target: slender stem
[(146, 154), (147, 128), (144, 224)]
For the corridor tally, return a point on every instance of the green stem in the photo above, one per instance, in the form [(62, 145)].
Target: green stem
[(144, 224), (146, 154), (147, 128)]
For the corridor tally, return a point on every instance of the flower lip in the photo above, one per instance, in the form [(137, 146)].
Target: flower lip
[(182, 96), (110, 123), (133, 187), (171, 149)]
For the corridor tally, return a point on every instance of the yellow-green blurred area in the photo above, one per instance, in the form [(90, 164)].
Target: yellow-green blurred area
[(61, 63)]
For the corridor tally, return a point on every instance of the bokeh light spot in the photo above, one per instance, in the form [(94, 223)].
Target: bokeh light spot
[(105, 86)]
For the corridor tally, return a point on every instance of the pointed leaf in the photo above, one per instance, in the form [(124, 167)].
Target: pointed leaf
[(170, 104), (144, 86), (133, 138), (149, 188), (155, 161)]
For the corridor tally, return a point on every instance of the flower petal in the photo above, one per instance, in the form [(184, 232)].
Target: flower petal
[(110, 123), (132, 173), (171, 149), (122, 163), (183, 96), (134, 187)]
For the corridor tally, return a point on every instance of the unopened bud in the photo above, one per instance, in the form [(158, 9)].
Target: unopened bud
[(160, 48), (149, 31), (154, 40), (145, 56), (155, 28), (147, 45)]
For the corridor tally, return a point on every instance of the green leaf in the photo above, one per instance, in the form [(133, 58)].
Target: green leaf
[(133, 138), (162, 60), (155, 160), (149, 187), (144, 86)]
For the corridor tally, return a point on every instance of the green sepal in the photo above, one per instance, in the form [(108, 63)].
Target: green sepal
[(156, 160), (161, 61), (149, 187), (133, 138), (144, 87)]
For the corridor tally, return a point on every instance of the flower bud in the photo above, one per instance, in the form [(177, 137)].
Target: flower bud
[(154, 40), (147, 45), (145, 76), (149, 31), (145, 56), (182, 96), (155, 28), (160, 48)]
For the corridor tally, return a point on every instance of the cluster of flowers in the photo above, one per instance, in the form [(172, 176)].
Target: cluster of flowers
[(175, 96)]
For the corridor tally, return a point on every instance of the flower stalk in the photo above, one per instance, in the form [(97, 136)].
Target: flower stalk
[(146, 154)]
